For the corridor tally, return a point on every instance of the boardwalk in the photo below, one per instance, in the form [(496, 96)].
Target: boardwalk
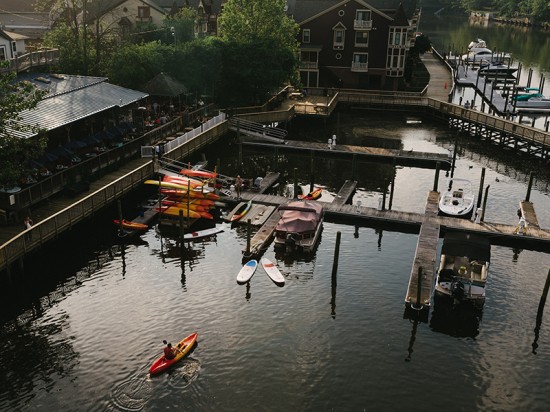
[(441, 81)]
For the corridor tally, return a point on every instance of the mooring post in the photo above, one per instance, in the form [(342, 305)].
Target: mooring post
[(528, 195), (384, 193), (485, 203), (336, 255), (353, 165), (545, 291), (436, 178), (119, 207), (188, 200), (182, 225), (529, 77), (248, 232), (419, 289), (482, 181), (240, 146), (295, 183), (311, 171), (392, 185)]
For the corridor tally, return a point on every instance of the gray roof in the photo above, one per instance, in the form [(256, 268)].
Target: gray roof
[(71, 98)]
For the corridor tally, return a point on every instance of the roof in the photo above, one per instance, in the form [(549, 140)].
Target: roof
[(14, 36), (71, 98), (164, 85), (465, 244), (16, 6)]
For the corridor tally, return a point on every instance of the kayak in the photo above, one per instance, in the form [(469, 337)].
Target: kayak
[(198, 173), (313, 195), (191, 206), (175, 211), (128, 224), (197, 194), (169, 185), (184, 346), (241, 210), (183, 180)]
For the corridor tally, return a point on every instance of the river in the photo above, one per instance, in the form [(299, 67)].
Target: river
[(82, 326)]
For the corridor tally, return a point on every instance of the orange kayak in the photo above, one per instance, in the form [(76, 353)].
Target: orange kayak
[(197, 194), (198, 173), (128, 224)]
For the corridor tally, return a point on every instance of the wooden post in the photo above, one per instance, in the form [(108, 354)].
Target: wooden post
[(481, 187), (545, 291), (528, 195), (239, 166), (336, 255), (353, 165), (182, 225), (485, 203), (419, 305), (248, 232), (295, 182), (119, 207), (436, 178), (311, 171), (384, 193), (392, 186), (540, 312), (188, 200)]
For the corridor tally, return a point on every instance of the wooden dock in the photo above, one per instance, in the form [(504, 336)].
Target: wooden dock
[(401, 157), (346, 192)]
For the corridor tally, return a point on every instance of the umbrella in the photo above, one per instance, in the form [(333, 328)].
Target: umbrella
[(76, 144), (62, 152), (92, 141)]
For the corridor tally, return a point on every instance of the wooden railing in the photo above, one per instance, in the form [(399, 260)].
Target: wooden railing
[(32, 59)]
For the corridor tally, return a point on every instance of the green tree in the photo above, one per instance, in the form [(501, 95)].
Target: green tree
[(261, 49), (15, 150), (180, 26)]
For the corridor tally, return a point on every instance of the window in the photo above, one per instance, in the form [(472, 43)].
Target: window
[(306, 36), (360, 62), (14, 47), (361, 38), (397, 37), (3, 55), (363, 15), (144, 12), (339, 38)]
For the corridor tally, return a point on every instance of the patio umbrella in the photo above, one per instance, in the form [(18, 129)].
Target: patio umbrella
[(76, 144)]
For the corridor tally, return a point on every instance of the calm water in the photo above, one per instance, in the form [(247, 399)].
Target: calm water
[(82, 326)]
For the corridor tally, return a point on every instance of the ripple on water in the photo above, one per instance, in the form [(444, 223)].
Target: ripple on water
[(133, 394)]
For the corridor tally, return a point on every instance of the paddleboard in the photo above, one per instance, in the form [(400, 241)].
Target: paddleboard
[(247, 271), (201, 233), (272, 271)]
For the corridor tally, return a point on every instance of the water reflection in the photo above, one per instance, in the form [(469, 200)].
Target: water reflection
[(540, 311)]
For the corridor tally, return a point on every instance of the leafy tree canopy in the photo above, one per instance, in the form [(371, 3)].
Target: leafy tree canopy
[(15, 151)]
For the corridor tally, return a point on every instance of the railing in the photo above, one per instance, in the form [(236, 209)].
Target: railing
[(309, 65), (32, 59), (362, 24), (359, 67)]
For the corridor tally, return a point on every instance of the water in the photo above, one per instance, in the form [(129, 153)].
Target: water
[(84, 324)]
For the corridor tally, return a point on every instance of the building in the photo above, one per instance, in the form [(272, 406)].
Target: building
[(354, 44), (11, 45)]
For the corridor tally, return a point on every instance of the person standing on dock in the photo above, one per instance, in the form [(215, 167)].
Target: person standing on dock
[(333, 140), (238, 186)]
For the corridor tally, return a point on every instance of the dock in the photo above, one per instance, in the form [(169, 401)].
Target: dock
[(346, 192), (401, 157)]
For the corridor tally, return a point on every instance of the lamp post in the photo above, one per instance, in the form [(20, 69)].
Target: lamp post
[(173, 31)]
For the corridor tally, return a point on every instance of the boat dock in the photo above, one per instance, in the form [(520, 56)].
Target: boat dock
[(401, 157), (346, 192)]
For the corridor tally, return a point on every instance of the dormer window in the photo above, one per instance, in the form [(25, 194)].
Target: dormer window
[(339, 36)]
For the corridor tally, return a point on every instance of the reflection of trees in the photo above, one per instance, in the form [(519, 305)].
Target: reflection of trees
[(30, 357)]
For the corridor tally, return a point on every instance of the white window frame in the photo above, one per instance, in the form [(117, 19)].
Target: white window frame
[(339, 45), (358, 63), (306, 36), (361, 44)]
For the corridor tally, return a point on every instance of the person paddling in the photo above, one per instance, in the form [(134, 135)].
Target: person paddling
[(169, 351)]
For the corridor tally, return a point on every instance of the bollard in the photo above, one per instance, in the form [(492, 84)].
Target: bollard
[(477, 219)]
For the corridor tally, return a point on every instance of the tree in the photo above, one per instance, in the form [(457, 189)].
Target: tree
[(15, 150)]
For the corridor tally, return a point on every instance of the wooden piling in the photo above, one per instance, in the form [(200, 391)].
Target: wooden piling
[(485, 203), (182, 224), (455, 151), (295, 183), (336, 255), (392, 187), (311, 170), (436, 178), (119, 207), (248, 233), (480, 193)]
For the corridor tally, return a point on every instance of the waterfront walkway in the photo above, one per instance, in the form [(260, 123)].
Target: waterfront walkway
[(441, 81)]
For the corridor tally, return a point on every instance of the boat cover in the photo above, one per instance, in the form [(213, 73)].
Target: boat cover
[(299, 217), (464, 244)]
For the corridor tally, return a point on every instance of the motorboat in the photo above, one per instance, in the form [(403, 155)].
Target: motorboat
[(498, 69), (478, 56), (457, 201), (463, 268), (299, 227), (531, 101)]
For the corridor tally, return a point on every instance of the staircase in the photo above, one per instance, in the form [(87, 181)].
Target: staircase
[(257, 131)]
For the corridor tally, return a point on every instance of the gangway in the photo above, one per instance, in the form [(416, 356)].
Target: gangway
[(257, 131), (173, 167)]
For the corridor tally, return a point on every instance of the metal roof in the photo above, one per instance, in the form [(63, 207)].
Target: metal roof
[(71, 98)]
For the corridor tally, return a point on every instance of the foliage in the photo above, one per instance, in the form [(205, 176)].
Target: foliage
[(183, 24), (15, 152), (135, 64)]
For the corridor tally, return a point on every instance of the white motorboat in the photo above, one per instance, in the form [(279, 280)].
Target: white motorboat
[(458, 200), (498, 69), (531, 101), (299, 227), (463, 268), (478, 56)]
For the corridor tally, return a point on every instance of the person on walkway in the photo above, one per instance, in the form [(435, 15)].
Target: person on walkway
[(238, 186), (169, 351), (28, 224)]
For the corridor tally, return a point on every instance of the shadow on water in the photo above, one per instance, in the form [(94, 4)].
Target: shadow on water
[(461, 321)]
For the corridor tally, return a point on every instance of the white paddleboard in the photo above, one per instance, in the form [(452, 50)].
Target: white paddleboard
[(201, 233), (272, 271), (247, 271)]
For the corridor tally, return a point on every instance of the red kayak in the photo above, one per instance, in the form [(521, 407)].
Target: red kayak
[(183, 348)]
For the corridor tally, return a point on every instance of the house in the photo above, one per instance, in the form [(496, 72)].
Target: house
[(11, 45), (20, 17), (125, 16), (352, 43)]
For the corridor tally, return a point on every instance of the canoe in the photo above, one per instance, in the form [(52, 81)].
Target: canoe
[(313, 195), (198, 173), (247, 271), (272, 271), (242, 209), (128, 224), (184, 346), (201, 234)]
